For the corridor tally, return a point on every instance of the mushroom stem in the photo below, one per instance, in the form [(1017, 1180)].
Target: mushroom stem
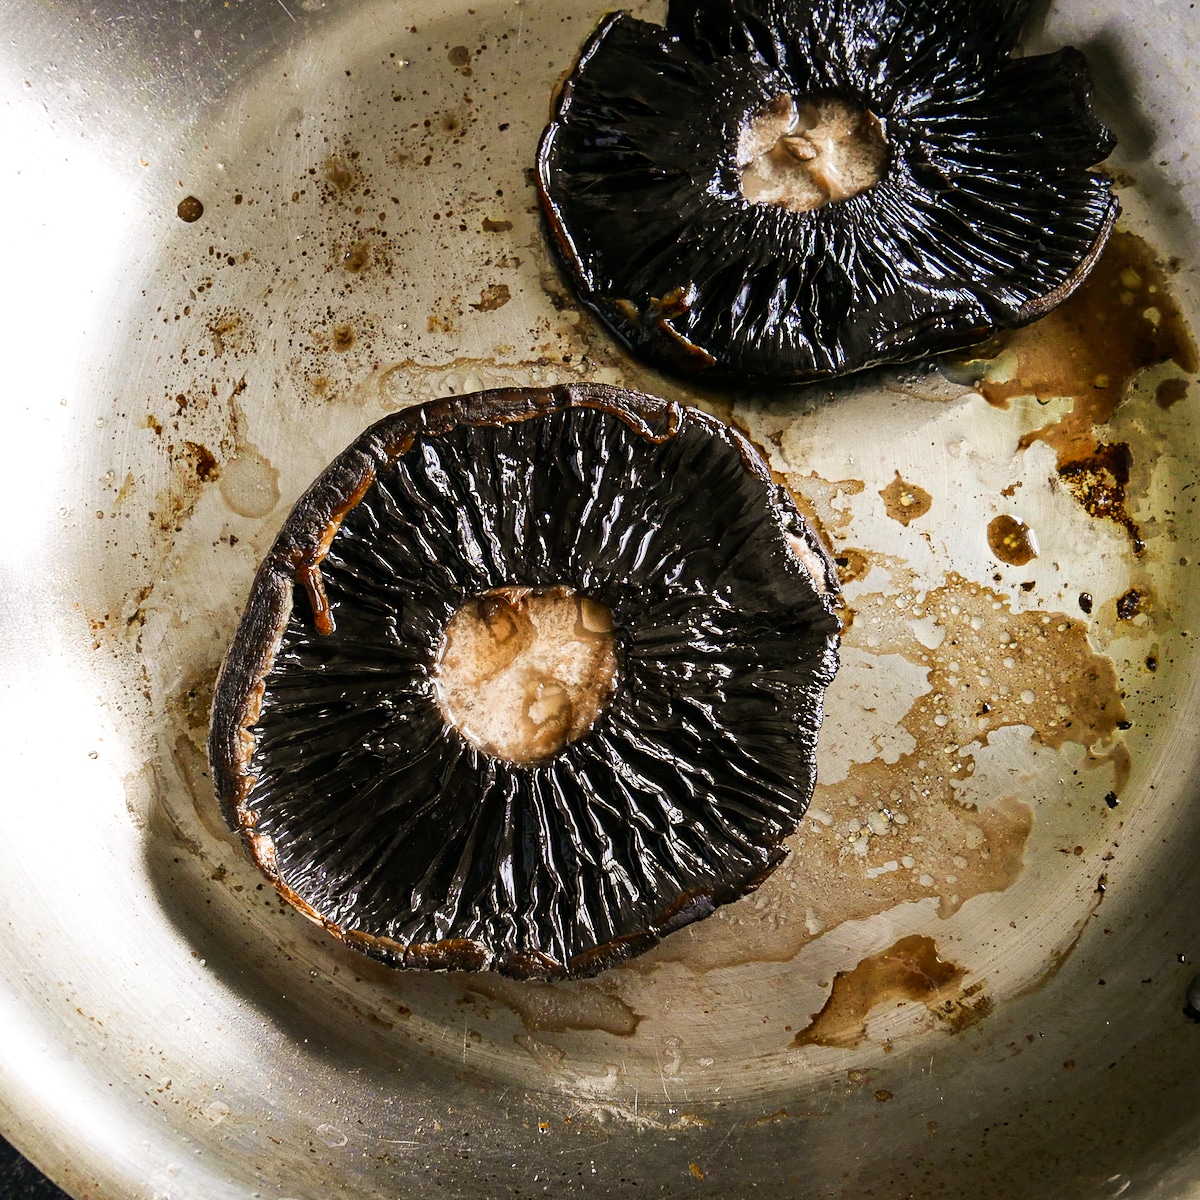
[(803, 156)]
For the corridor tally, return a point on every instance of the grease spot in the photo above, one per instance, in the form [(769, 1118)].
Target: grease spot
[(908, 970), (356, 258), (190, 209), (1011, 540), (905, 502), (249, 484), (907, 822), (339, 174)]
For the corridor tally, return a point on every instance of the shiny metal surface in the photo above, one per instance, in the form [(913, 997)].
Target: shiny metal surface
[(369, 239)]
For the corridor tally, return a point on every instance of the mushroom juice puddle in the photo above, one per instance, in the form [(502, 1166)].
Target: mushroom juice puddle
[(370, 239)]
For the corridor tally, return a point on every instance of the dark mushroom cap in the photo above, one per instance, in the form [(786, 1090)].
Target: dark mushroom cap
[(377, 818), (985, 217)]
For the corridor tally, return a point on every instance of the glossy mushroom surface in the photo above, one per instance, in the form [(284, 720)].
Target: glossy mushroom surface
[(673, 582), (776, 191)]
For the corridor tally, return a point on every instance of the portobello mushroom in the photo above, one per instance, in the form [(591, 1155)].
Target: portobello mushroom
[(528, 680), (791, 190)]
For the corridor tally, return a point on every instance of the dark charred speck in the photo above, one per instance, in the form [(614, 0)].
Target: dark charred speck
[(788, 191), (1129, 604), (648, 535)]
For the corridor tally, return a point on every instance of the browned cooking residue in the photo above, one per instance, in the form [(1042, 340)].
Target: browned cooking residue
[(851, 564), (905, 501), (1011, 540), (1122, 320), (356, 257), (1130, 603), (231, 333), (340, 174), (201, 460), (494, 296), (908, 970), (914, 827), (1100, 483), (558, 1007)]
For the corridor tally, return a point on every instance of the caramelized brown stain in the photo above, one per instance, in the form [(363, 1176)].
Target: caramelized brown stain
[(908, 970), (230, 333), (501, 226), (202, 461), (559, 1007), (912, 829), (1119, 322), (964, 1010), (494, 296), (905, 502), (1011, 540), (343, 338), (1100, 483)]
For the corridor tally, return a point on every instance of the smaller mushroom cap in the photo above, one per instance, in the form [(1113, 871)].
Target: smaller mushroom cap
[(676, 224)]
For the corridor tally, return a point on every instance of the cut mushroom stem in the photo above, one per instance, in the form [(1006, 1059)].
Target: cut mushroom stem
[(803, 155)]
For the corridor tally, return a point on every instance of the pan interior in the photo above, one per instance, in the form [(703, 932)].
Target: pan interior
[(976, 958)]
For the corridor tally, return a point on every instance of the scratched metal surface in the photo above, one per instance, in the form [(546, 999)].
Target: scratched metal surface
[(969, 978)]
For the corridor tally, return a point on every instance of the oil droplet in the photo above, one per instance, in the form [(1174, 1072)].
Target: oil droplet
[(249, 484), (905, 502), (1011, 540), (190, 209)]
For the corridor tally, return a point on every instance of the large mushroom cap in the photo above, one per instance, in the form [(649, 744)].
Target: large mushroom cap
[(790, 190), (426, 840)]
